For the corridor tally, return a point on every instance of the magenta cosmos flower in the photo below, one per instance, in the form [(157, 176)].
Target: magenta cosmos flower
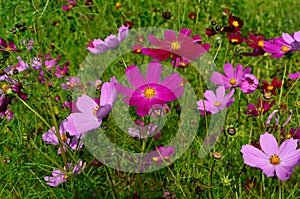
[(149, 91), (272, 159), (292, 40), (216, 102), (71, 4), (249, 83), (294, 76), (233, 78), (91, 113), (277, 47), (176, 46), (99, 46)]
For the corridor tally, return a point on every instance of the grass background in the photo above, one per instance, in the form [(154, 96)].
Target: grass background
[(30, 159)]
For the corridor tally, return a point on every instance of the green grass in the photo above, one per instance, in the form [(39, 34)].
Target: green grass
[(25, 159)]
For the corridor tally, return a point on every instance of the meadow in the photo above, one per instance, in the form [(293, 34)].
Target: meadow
[(149, 99)]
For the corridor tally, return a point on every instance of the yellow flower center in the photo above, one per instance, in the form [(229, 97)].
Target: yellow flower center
[(270, 87), (8, 48), (175, 45), (65, 176), (288, 136), (64, 137), (284, 48), (298, 103), (95, 110), (235, 24), (138, 51), (149, 92), (260, 110), (4, 87), (167, 157), (234, 40), (218, 104), (155, 159), (182, 64), (275, 159), (261, 43), (232, 81)]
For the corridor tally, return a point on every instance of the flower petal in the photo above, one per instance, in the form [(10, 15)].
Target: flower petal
[(153, 72), (228, 70), (283, 173), (254, 157), (268, 144), (135, 77)]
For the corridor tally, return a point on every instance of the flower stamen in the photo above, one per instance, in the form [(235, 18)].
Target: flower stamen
[(275, 159), (175, 45), (149, 92)]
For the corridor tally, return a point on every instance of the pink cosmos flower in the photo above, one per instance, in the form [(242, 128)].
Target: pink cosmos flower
[(249, 84), (261, 108), (293, 40), (99, 46), (272, 159), (294, 76), (176, 46), (71, 4), (50, 138), (59, 176), (216, 102), (277, 47), (232, 78), (72, 83), (91, 113), (161, 154), (141, 131), (180, 62), (149, 91)]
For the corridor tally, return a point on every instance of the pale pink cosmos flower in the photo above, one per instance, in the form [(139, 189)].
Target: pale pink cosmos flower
[(149, 92), (216, 102), (59, 176), (272, 159), (91, 113), (99, 46), (232, 78)]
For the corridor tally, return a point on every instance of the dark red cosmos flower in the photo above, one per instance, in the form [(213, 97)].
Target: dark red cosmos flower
[(192, 16), (176, 46), (271, 88), (234, 38), (137, 48), (235, 22), (261, 108), (210, 32), (256, 43)]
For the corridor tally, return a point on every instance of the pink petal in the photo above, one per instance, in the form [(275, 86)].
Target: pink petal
[(268, 169), (153, 72), (297, 36), (210, 96), (170, 35), (273, 114), (123, 90), (156, 42), (287, 147), (220, 92), (85, 122), (283, 173), (291, 159), (217, 78), (268, 144), (287, 38), (228, 69), (172, 82), (187, 32), (157, 54), (135, 77), (108, 92), (85, 104), (254, 157)]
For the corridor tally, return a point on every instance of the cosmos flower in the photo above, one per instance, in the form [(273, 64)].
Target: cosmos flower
[(272, 159), (277, 47), (293, 40), (161, 154), (99, 46), (249, 84), (91, 113), (256, 43), (234, 38), (149, 91), (176, 46), (180, 62), (59, 176), (270, 88), (261, 108), (293, 133), (50, 138), (216, 102), (235, 22), (233, 78), (141, 131), (72, 83)]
